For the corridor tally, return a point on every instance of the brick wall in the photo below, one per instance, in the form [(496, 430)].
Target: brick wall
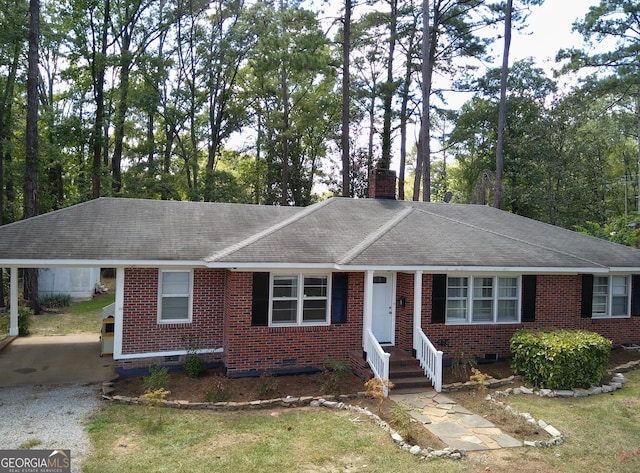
[(557, 306), (404, 315), (143, 334), (382, 184), (250, 349)]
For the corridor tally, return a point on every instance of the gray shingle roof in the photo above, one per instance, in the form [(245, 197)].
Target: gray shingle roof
[(339, 232)]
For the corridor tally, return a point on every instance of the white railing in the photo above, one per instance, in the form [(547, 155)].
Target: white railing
[(377, 358), (430, 360)]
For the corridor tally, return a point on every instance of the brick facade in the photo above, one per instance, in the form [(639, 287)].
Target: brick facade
[(141, 332), (250, 350), (222, 309)]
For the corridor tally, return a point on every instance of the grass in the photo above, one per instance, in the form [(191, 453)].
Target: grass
[(297, 440), (603, 431), (80, 317)]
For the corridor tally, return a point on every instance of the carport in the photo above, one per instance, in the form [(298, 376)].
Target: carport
[(49, 360)]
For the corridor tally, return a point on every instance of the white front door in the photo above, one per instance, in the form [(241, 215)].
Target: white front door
[(382, 323)]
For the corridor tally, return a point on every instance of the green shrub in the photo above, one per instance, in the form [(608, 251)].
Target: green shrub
[(158, 379), (219, 391), (268, 385), (193, 365), (55, 301), (25, 316), (560, 359), (332, 376), (24, 320)]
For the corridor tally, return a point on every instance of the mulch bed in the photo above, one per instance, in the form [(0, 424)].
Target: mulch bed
[(212, 384)]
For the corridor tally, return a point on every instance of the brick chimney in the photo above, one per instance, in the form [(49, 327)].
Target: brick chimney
[(382, 184)]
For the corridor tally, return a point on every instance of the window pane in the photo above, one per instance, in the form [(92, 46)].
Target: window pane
[(599, 305), (601, 285), (314, 311), (619, 306), (482, 310), (315, 286), (482, 288), (175, 308), (175, 282), (285, 286), (507, 310), (507, 288), (284, 312), (457, 310), (619, 285)]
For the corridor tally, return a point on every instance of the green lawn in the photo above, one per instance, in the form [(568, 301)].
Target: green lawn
[(156, 440), (80, 317), (603, 435)]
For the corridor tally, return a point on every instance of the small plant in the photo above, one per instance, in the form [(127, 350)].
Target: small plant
[(461, 367), (333, 375), (268, 385), (404, 424), (219, 391), (193, 365), (479, 377), (24, 320), (155, 424), (55, 301), (378, 388), (29, 444), (157, 379)]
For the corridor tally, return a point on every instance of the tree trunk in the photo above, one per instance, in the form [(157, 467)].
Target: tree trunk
[(346, 93), (31, 151), (638, 124), (502, 111), (285, 136), (121, 110), (425, 133), (98, 67), (388, 90)]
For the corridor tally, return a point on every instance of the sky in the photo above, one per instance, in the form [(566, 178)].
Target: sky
[(549, 29)]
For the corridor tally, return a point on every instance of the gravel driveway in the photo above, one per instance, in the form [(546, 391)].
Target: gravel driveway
[(54, 416)]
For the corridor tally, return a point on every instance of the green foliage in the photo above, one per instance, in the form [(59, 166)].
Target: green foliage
[(616, 231), (193, 365), (219, 391), (268, 385), (55, 301), (560, 359), (25, 317), (332, 376), (461, 366), (157, 379)]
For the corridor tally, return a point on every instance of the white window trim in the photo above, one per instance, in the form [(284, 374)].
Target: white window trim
[(469, 299), (608, 314), (300, 300), (160, 320)]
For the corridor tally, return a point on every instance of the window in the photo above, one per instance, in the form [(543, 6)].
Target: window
[(299, 299), (611, 296), (483, 299), (175, 296)]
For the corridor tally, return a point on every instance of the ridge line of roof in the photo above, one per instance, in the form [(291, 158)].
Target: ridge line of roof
[(268, 231), (374, 236), (519, 240)]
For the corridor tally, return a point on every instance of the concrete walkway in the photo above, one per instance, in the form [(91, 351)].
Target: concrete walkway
[(68, 359), (452, 423)]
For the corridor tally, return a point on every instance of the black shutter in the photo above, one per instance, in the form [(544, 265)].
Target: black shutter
[(635, 295), (528, 298), (438, 298), (339, 291), (586, 310), (260, 300)]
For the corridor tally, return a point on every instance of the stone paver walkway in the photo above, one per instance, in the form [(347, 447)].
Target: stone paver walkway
[(452, 423)]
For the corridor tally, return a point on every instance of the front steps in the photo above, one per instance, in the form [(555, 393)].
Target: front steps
[(405, 372)]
